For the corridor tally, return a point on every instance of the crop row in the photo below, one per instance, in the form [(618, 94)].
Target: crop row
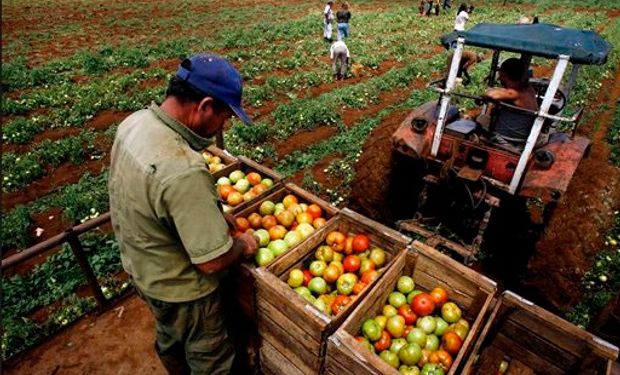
[(20, 170)]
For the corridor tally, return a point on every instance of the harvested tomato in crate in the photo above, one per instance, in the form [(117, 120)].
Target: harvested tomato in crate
[(423, 315)]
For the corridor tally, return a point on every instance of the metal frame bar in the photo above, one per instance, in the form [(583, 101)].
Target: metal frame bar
[(70, 236), (445, 98), (556, 79)]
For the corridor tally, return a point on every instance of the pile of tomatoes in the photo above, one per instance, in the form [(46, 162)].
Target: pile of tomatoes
[(239, 187), (416, 332), (339, 271), (214, 163), (278, 227)]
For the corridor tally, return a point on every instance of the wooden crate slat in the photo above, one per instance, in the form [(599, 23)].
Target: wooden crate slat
[(520, 329), (272, 315), (274, 362), (272, 288), (290, 347)]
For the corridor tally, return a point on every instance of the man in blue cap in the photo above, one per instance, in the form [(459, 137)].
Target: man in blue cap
[(173, 238)]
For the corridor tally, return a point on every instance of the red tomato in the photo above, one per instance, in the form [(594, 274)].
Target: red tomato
[(314, 210), (451, 342), (307, 277), (406, 312), (225, 191), (384, 342), (359, 287), (423, 304), (360, 243), (440, 296), (369, 276), (351, 263), (340, 303)]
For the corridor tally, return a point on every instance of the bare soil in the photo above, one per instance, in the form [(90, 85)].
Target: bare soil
[(120, 341), (569, 244)]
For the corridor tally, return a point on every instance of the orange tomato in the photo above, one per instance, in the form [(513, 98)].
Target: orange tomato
[(331, 273), (289, 200), (225, 190), (440, 296), (314, 210), (359, 287), (242, 224), (259, 189), (442, 357), (269, 221), (369, 276), (336, 240), (319, 222), (340, 303), (304, 217), (254, 178), (348, 249), (277, 232), (451, 342), (255, 220)]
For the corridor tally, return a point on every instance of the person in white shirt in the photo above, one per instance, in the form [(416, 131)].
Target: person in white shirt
[(461, 17), (328, 18), (339, 52)]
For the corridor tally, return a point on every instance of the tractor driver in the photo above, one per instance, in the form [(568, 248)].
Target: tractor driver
[(512, 128)]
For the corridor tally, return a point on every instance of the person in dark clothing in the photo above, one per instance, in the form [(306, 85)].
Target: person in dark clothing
[(428, 8), (436, 7), (447, 4), (342, 17)]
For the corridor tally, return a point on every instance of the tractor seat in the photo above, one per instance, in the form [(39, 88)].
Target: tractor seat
[(461, 128)]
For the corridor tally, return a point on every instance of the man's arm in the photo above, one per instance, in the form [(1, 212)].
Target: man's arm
[(244, 246), (501, 94)]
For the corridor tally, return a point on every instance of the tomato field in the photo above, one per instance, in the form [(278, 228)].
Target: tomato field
[(73, 70)]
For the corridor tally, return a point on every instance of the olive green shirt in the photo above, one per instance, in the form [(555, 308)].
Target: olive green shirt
[(165, 212)]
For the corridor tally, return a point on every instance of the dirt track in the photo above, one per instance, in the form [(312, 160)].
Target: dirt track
[(120, 341)]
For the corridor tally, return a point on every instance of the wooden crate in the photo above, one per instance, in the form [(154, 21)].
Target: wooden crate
[(535, 341), (230, 162), (293, 325), (429, 268), (248, 165), (275, 363), (241, 277)]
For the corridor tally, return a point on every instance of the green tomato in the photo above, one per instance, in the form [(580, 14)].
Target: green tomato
[(432, 369), (371, 330), (441, 326), (432, 343), (397, 299), (397, 344), (417, 336), (410, 354), (390, 358), (405, 284)]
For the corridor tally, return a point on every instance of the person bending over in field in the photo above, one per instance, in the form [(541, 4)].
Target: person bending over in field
[(339, 54), (468, 59)]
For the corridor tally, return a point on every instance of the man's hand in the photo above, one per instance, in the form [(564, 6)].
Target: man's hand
[(248, 243)]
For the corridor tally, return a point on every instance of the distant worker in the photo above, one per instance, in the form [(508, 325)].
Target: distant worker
[(512, 128), (461, 18), (342, 18), (422, 7), (328, 18), (447, 4), (468, 59), (339, 53), (428, 8)]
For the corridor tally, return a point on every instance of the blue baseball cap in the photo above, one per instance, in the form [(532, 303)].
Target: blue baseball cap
[(215, 77)]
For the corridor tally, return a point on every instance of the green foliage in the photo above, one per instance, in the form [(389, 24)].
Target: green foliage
[(22, 169), (613, 137), (602, 282), (14, 228), (56, 279)]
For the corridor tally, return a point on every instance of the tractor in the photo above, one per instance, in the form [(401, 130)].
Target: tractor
[(463, 173)]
